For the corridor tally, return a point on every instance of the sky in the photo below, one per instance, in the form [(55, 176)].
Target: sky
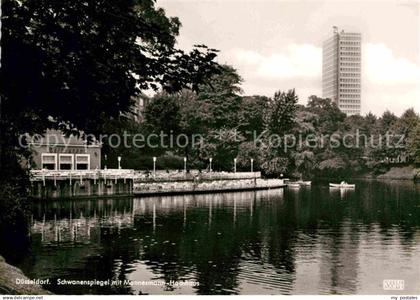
[(277, 44)]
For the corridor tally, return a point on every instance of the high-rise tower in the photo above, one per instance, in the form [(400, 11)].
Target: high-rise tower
[(341, 70)]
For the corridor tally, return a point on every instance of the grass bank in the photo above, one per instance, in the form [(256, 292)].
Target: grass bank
[(401, 173)]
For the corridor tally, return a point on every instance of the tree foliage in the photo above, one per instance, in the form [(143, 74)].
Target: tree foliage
[(414, 144), (80, 62), (76, 65), (246, 133), (220, 97), (252, 114), (282, 111)]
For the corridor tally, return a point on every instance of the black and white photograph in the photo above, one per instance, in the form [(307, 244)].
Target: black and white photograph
[(210, 147)]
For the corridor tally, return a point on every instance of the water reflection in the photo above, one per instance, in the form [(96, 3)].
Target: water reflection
[(311, 241)]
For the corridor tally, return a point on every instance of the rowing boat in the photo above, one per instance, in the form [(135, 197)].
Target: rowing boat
[(342, 185), (306, 183)]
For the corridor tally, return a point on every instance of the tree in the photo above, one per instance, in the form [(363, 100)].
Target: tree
[(406, 127), (330, 116), (304, 162), (163, 114), (212, 113), (305, 122), (246, 152), (75, 64), (174, 115), (275, 166), (369, 125), (192, 112), (222, 145), (279, 117), (220, 96), (282, 112), (413, 144), (386, 121), (251, 115), (335, 166), (134, 151), (406, 123)]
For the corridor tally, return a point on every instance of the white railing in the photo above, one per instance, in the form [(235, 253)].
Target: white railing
[(170, 176), (38, 175)]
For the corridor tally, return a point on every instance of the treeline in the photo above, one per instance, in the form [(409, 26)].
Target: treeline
[(281, 136)]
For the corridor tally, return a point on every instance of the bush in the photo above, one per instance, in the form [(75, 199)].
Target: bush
[(14, 225), (14, 208)]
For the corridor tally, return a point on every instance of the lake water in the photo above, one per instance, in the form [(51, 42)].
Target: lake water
[(308, 241)]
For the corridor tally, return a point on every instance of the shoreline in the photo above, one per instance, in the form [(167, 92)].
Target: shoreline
[(60, 185), (408, 173), (399, 173)]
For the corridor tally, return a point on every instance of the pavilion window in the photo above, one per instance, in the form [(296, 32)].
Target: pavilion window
[(66, 161), (82, 161), (49, 161)]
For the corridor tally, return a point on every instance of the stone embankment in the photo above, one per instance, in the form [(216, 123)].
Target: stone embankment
[(206, 182), (9, 278), (53, 184)]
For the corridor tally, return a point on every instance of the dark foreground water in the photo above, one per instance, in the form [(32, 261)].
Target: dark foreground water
[(312, 241)]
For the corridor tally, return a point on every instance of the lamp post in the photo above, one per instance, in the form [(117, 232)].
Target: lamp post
[(234, 165), (252, 165), (154, 166), (119, 162), (185, 165), (210, 159)]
